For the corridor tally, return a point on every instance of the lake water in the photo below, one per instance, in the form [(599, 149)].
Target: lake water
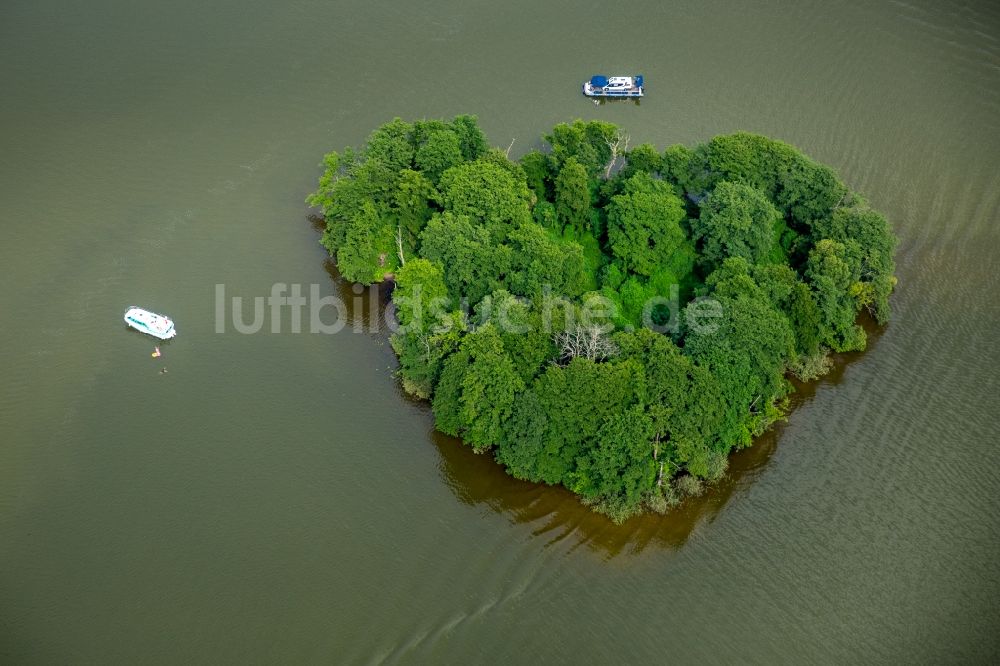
[(275, 498)]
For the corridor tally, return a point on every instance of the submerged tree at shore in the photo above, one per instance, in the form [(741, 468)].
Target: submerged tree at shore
[(615, 332)]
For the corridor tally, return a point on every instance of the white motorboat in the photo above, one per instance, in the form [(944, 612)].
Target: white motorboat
[(157, 325)]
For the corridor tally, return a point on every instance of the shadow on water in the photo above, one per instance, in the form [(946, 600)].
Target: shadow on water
[(365, 307), (554, 513), (604, 101)]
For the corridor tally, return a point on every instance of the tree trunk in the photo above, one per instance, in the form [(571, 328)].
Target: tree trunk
[(399, 244)]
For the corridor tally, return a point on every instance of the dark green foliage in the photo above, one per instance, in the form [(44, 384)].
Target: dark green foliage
[(524, 291), (556, 423), (642, 159), (746, 351), (477, 389), (644, 229), (808, 191), (573, 196), (473, 265), (736, 221), (538, 175), (545, 215), (587, 142), (438, 153), (618, 472), (488, 194), (412, 205), (684, 400), (471, 139), (521, 331), (676, 165)]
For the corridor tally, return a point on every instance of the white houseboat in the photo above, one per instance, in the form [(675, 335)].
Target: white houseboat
[(157, 325), (614, 86)]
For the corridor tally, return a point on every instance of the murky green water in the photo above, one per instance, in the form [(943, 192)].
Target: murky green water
[(275, 499)]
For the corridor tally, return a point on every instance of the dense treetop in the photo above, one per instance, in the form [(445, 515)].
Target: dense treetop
[(613, 320)]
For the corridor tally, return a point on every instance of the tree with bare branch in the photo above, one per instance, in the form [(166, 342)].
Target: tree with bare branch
[(618, 145), (589, 342), (399, 244)]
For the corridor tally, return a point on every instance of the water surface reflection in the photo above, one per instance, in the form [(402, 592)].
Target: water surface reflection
[(554, 513)]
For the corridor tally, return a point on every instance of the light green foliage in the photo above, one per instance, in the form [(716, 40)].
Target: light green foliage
[(808, 367), (689, 486), (736, 221), (366, 252), (422, 353), (421, 298), (870, 245), (391, 146), (640, 300), (429, 330), (831, 274), (501, 262), (593, 258), (644, 229), (537, 261)]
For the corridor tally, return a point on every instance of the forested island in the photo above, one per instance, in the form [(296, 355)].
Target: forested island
[(615, 320)]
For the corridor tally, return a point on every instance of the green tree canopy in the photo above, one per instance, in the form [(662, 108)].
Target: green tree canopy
[(558, 419), (644, 229), (736, 221), (487, 194), (438, 153), (573, 196), (524, 291), (477, 389), (413, 204), (587, 142)]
